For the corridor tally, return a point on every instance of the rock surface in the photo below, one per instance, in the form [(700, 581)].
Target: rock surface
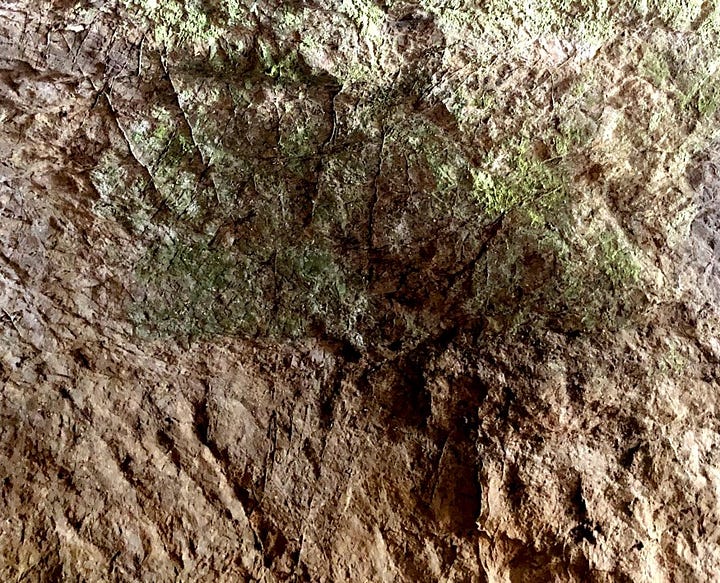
[(359, 291)]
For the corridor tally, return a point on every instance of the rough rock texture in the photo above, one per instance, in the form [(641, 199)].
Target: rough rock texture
[(359, 291)]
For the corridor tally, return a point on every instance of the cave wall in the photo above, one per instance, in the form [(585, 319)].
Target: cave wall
[(366, 291)]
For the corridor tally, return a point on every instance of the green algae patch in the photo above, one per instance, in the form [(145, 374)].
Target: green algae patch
[(121, 195), (503, 185), (197, 290), (322, 173)]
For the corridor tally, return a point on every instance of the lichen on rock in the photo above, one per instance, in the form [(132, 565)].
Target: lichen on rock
[(359, 291)]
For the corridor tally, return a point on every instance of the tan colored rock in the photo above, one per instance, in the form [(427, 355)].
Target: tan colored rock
[(359, 292)]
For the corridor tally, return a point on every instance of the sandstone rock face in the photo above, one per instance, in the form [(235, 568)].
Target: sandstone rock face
[(359, 291)]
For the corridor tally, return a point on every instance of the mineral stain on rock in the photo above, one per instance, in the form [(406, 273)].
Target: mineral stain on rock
[(359, 291)]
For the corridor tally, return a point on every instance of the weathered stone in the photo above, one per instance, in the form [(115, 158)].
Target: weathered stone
[(359, 291)]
